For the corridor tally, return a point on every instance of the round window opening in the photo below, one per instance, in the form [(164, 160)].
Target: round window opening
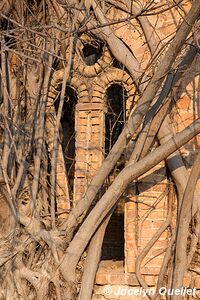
[(92, 53)]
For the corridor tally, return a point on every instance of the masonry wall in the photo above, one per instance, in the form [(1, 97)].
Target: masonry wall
[(144, 215), (152, 197), (148, 201)]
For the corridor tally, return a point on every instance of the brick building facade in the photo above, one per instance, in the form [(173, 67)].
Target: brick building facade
[(104, 94)]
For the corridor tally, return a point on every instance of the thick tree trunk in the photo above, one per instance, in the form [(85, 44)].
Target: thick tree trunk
[(176, 166), (92, 261)]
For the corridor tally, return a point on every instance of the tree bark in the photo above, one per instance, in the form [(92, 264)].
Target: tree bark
[(183, 222), (92, 261)]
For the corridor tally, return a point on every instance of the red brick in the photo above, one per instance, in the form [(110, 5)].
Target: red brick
[(145, 205), (150, 270), (102, 278), (184, 120), (197, 283), (157, 224), (148, 203), (157, 214), (159, 187), (130, 267), (130, 214), (159, 244), (147, 224), (187, 281), (130, 205), (131, 245), (130, 236), (82, 121), (131, 255), (130, 227), (148, 233), (184, 102), (96, 128), (152, 214), (150, 279), (132, 280), (154, 262), (117, 279)]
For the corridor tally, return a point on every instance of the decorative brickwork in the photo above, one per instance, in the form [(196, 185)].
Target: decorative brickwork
[(147, 201), (89, 142)]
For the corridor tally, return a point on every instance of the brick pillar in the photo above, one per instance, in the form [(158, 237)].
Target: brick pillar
[(89, 145)]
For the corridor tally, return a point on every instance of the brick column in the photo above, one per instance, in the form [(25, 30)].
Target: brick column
[(89, 144)]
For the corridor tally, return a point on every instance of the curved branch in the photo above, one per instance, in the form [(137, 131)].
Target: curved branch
[(184, 219), (92, 261), (145, 251), (117, 47), (149, 245)]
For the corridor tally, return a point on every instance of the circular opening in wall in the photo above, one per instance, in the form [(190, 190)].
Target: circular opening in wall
[(91, 53)]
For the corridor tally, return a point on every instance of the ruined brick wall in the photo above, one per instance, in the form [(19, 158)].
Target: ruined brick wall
[(144, 215), (149, 200)]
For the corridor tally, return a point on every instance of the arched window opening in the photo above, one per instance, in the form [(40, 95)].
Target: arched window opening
[(116, 97), (68, 131), (91, 53), (113, 244)]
